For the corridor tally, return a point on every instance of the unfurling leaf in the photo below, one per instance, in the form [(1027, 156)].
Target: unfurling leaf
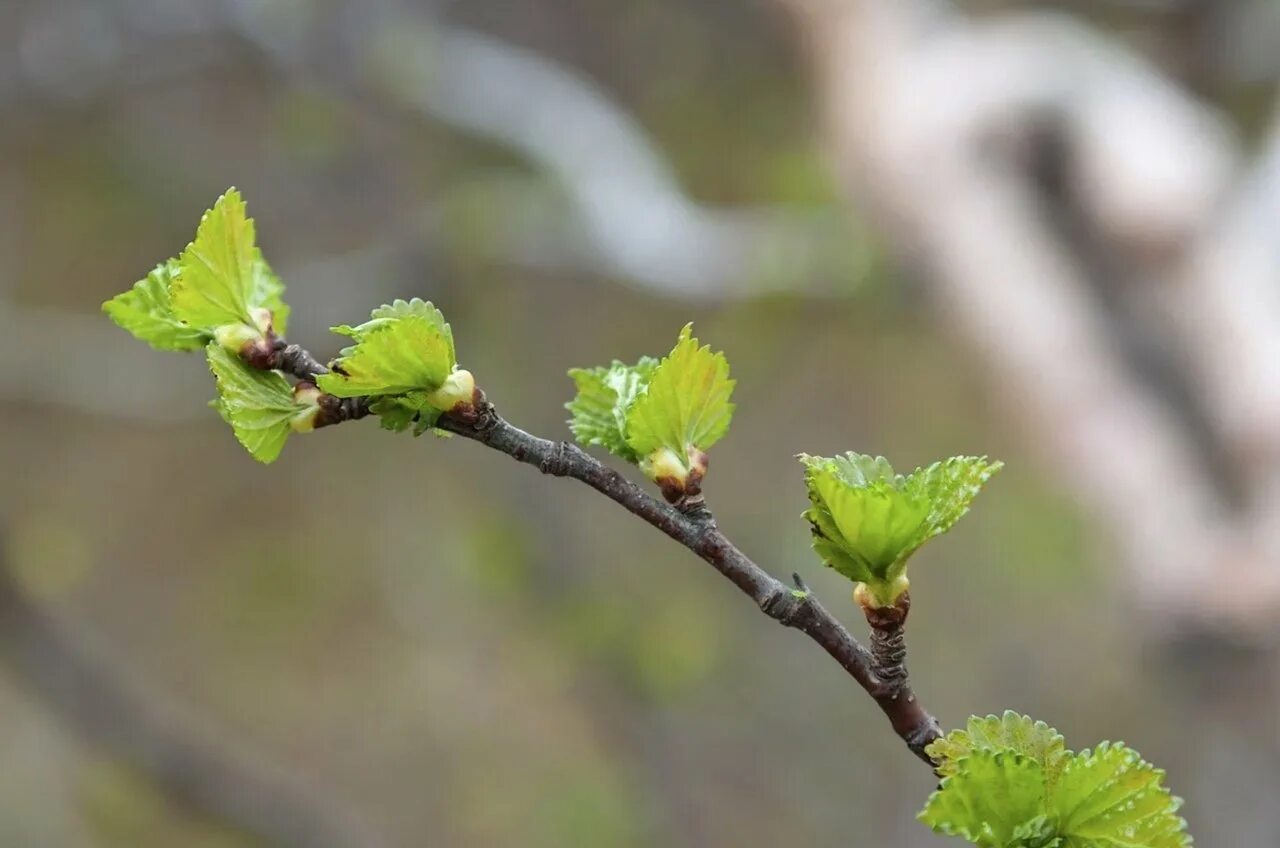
[(404, 347), (219, 288), (222, 278), (989, 799), (1010, 782), (404, 356), (259, 405), (867, 521), (605, 396), (1011, 732), (146, 311), (684, 409), (663, 415)]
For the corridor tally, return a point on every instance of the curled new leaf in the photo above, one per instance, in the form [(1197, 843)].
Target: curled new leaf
[(405, 347), (260, 406), (1008, 732), (1010, 782), (663, 415), (403, 356), (867, 521), (604, 399), (683, 411)]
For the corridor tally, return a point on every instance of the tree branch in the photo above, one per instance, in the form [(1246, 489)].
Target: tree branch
[(697, 531), (694, 527)]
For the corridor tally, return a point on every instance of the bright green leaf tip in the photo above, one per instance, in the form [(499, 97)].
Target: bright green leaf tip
[(220, 284), (146, 311), (867, 520), (662, 414), (222, 277), (1010, 782)]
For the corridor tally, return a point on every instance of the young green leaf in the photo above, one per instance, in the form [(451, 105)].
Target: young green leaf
[(867, 521), (1007, 732), (1107, 798), (996, 795), (388, 314), (685, 406), (405, 347), (949, 487), (222, 278), (259, 405), (403, 357), (146, 311), (604, 399), (1111, 796), (662, 415)]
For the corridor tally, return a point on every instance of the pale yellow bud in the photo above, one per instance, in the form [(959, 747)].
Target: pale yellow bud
[(459, 388)]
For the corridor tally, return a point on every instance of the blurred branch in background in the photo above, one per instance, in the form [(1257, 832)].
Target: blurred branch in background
[(99, 698), (947, 125), (1079, 219), (633, 219), (607, 202)]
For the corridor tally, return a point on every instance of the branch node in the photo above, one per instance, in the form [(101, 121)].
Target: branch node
[(292, 359), (694, 505), (922, 736), (785, 605), (778, 604), (556, 461), (889, 644)]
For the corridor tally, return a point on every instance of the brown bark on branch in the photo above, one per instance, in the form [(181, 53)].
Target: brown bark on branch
[(695, 528), (697, 531)]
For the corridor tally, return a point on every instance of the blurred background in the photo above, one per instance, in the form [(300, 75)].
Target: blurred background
[(1040, 231)]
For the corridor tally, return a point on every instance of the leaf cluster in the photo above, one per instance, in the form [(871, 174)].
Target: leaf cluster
[(867, 521), (404, 359), (219, 295), (219, 281), (661, 414), (1006, 782), (1010, 782)]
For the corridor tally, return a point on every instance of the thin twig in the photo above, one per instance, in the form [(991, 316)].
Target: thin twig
[(696, 530), (798, 609), (795, 608)]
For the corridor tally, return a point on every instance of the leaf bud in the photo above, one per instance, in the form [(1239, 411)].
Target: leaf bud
[(457, 390)]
